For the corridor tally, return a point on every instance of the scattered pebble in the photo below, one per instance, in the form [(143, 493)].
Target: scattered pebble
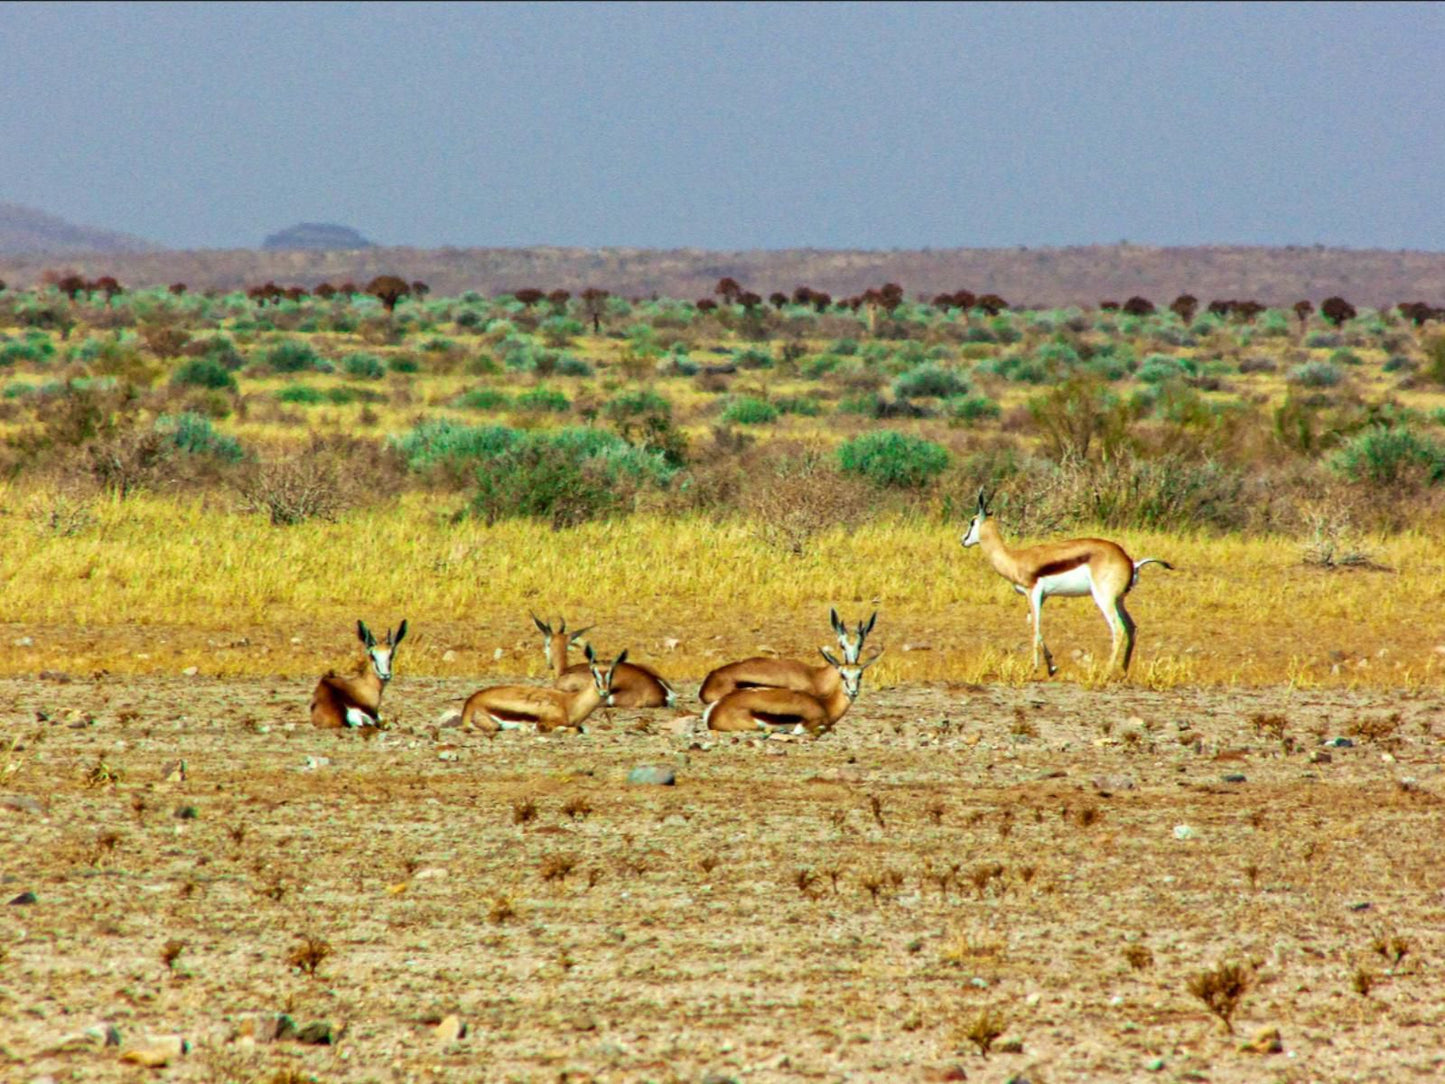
[(1113, 782), (1319, 756), (312, 763), (191, 671), (978, 983), (157, 1053), (1183, 831), (653, 775), (317, 1034), (1361, 906), (187, 813), (1233, 777), (25, 641), (1155, 1066), (449, 655), (917, 647), (1265, 1041), (449, 755), (24, 899), (1340, 743)]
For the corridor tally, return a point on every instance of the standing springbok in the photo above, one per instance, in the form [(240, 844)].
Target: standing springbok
[(835, 687), (355, 701), (1080, 566), (511, 707), (764, 673), (633, 686)]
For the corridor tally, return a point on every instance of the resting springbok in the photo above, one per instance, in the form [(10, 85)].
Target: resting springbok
[(835, 688), (1080, 566), (355, 701), (765, 673), (633, 685), (511, 707)]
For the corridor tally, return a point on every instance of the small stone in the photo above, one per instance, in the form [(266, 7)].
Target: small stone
[(681, 726), (498, 654), (317, 1034), (312, 763), (187, 813), (1319, 756), (671, 643), (653, 775), (451, 1029), (1113, 783), (174, 772), (103, 1034), (157, 1053), (24, 899), (21, 803), (1010, 1046), (191, 671), (1155, 1066), (978, 983), (1033, 999), (449, 719), (917, 647), (954, 1072), (1340, 743), (1265, 1041), (431, 873), (1233, 777), (295, 639), (1183, 831), (1361, 906), (449, 755), (449, 655), (25, 641)]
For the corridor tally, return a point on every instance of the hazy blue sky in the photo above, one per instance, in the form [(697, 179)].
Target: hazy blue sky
[(732, 125)]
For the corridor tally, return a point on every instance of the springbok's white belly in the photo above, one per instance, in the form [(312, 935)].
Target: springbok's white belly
[(1076, 581), (359, 717)]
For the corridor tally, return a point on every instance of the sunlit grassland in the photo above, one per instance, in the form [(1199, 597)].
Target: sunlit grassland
[(157, 584)]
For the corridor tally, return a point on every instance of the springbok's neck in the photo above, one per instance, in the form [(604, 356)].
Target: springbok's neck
[(994, 548), (836, 702), (560, 644), (583, 703)]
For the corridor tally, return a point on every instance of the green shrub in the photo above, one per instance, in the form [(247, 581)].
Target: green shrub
[(452, 446), (801, 405), (403, 363), (890, 458), (292, 356), (204, 372), (870, 404), (34, 352), (753, 357), (750, 410), (193, 434), (1344, 356), (1390, 457), (844, 348), (821, 365), (362, 366), (1315, 374), (543, 400), (18, 389), (1015, 368), (304, 394), (483, 399), (929, 380), (972, 408), (1157, 368)]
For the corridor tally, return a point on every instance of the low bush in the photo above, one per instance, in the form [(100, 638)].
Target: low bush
[(890, 458), (929, 380), (362, 366), (193, 434), (204, 372), (1315, 374), (292, 356), (749, 410), (483, 399), (543, 400), (1390, 458)]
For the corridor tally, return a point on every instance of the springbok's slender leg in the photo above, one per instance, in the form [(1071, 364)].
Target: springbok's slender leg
[(1127, 624), (1121, 627), (1036, 606)]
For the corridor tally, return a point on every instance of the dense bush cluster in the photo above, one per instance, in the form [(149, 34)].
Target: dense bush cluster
[(568, 407)]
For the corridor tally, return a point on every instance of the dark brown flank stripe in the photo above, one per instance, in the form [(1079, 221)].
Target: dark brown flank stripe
[(510, 716), (1054, 568), (774, 718)]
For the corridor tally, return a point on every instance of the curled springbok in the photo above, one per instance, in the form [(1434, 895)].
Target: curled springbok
[(633, 685), (356, 701), (836, 686), (1079, 566), (511, 707), (761, 672)]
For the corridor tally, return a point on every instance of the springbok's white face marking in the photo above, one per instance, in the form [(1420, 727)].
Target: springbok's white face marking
[(381, 654), (970, 536), (851, 673)]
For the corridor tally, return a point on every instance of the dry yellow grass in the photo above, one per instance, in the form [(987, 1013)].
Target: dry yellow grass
[(154, 584)]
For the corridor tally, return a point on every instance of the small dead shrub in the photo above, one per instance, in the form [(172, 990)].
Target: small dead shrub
[(1139, 957), (310, 954), (557, 867), (1221, 990), (984, 1030), (501, 911), (524, 810), (578, 808)]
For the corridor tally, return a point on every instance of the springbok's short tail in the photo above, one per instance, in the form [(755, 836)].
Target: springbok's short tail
[(1149, 561)]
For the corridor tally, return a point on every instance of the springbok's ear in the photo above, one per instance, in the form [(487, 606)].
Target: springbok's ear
[(364, 634), (400, 634), (542, 626), (865, 630), (832, 661), (982, 502), (615, 664), (872, 658), (838, 626), (591, 655), (578, 634)]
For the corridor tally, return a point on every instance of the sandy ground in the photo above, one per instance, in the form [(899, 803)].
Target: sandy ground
[(851, 908)]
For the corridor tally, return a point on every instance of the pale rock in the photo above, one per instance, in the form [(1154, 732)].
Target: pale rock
[(158, 1052), (191, 671), (449, 655), (451, 1029), (1184, 832), (1265, 1041)]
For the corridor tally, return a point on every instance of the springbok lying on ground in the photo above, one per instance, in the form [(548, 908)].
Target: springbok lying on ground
[(835, 688), (633, 686), (511, 707), (764, 673), (1080, 566), (355, 701)]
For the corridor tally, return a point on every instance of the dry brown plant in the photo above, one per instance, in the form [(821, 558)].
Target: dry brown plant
[(557, 867), (309, 954), (524, 810), (578, 808), (1221, 990), (984, 1030), (1139, 956)]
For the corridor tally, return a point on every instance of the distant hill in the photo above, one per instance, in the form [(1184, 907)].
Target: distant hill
[(316, 237), (24, 231), (1023, 276)]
